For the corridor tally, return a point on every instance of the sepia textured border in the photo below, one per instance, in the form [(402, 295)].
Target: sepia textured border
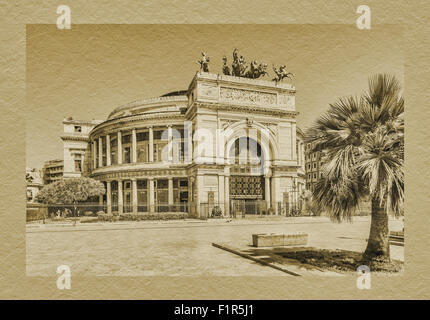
[(412, 15)]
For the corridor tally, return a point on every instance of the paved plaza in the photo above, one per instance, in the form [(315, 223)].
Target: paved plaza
[(178, 248)]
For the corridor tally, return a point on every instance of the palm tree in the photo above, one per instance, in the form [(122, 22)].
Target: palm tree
[(363, 142)]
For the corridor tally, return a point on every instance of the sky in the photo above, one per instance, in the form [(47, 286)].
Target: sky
[(89, 70)]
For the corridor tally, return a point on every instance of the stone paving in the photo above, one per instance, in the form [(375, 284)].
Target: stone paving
[(178, 248)]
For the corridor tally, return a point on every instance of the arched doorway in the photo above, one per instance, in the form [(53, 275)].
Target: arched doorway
[(247, 181)]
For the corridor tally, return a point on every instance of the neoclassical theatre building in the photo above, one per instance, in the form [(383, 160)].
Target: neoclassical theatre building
[(227, 142)]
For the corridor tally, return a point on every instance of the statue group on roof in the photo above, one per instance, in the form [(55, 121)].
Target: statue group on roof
[(239, 68)]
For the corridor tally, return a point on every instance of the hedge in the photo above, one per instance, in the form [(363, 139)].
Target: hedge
[(143, 216)]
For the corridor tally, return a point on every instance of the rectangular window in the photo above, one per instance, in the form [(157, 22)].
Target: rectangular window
[(157, 135), (78, 165), (162, 184), (126, 139), (104, 151), (142, 136), (113, 150), (142, 155), (127, 156), (142, 184)]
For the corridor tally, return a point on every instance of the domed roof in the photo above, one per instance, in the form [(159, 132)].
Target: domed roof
[(170, 102), (175, 93)]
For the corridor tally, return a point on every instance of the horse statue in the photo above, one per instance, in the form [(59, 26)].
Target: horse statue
[(225, 67), (256, 70), (282, 73)]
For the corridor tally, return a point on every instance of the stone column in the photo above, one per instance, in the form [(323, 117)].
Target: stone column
[(82, 163), (119, 147), (134, 190), (109, 197), (189, 141), (94, 154), (100, 152), (221, 192), (293, 141), (170, 199), (151, 144), (134, 146), (108, 155), (151, 195), (227, 195), (120, 197), (169, 144), (275, 193), (200, 193), (100, 199), (267, 191)]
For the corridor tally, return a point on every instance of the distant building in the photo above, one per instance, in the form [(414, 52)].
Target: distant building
[(75, 143), (52, 171), (34, 182), (314, 162)]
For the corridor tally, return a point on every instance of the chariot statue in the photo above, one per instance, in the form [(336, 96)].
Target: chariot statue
[(256, 70), (238, 67)]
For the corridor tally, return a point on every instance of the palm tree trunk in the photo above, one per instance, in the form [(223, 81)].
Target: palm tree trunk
[(378, 246)]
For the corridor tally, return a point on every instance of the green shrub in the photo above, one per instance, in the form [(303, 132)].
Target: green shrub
[(153, 216), (216, 212), (105, 217), (89, 219), (142, 216)]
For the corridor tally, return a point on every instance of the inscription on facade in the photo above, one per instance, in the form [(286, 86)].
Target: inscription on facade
[(247, 96)]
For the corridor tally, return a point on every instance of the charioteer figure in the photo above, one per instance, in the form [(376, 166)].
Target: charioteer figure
[(282, 73), (204, 63)]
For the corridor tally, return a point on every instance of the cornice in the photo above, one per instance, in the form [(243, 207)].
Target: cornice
[(75, 138), (241, 108), (118, 123)]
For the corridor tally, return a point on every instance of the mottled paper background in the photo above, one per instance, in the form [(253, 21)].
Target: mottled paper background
[(409, 17)]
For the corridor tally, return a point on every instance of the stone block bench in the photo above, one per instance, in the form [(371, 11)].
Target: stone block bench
[(275, 240)]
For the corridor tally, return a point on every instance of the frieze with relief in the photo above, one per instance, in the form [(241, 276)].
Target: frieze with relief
[(286, 100), (247, 96), (210, 92)]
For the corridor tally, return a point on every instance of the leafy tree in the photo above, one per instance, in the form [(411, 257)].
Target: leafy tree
[(70, 191), (363, 139)]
